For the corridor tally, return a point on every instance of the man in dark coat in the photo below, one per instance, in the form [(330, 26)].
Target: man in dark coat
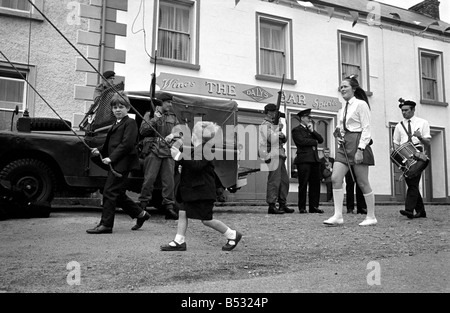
[(307, 162)]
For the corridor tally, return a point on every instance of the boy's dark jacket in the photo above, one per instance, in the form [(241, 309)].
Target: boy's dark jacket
[(120, 145)]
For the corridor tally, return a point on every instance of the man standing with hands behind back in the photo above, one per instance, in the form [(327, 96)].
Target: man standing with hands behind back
[(307, 162)]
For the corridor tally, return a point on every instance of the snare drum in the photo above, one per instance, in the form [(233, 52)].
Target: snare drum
[(404, 158)]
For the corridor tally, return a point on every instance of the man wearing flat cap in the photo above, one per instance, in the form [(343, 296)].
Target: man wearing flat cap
[(307, 162), (156, 153), (417, 131), (272, 152)]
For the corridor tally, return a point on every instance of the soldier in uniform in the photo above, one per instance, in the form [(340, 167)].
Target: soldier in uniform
[(272, 152)]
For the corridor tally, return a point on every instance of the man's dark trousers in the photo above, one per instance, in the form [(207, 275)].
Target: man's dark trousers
[(308, 175), (413, 197)]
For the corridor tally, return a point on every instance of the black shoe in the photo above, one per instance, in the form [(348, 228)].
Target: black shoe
[(349, 211), (228, 247), (420, 214), (177, 247), (361, 211), (170, 213), (100, 229), (315, 210), (274, 210), (407, 213), (140, 221), (285, 209), (143, 204), (302, 211)]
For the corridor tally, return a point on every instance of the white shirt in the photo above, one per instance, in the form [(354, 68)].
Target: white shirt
[(358, 120), (417, 123)]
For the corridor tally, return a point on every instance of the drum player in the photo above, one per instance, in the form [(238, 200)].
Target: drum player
[(417, 131)]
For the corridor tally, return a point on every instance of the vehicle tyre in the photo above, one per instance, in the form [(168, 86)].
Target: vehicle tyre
[(33, 177), (46, 123)]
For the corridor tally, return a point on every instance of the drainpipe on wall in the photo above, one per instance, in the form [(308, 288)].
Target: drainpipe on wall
[(101, 58)]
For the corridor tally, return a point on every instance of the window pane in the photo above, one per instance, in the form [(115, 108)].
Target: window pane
[(350, 58), (11, 92), (429, 77), (22, 5), (173, 33), (272, 49)]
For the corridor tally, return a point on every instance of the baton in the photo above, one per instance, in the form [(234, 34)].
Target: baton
[(337, 133)]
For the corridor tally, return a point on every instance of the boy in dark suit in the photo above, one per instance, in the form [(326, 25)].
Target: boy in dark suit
[(307, 162), (120, 154)]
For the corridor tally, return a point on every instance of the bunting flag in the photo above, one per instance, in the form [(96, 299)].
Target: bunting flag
[(355, 16), (434, 23), (330, 11), (395, 16), (448, 28), (236, 2)]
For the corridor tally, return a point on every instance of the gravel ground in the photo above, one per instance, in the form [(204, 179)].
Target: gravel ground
[(278, 253)]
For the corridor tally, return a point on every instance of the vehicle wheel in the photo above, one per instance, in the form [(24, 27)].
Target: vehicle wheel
[(46, 123), (33, 177)]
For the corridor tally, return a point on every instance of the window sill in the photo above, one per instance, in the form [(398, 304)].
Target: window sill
[(431, 102), (26, 15), (275, 79), (177, 64)]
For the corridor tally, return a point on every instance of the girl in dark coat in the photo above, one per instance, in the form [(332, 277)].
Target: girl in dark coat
[(197, 189)]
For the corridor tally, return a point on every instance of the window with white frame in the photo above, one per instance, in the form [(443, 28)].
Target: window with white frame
[(274, 46), (353, 58), (431, 76), (12, 90), (20, 5), (178, 31)]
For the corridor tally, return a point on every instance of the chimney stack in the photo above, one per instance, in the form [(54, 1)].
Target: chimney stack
[(429, 8)]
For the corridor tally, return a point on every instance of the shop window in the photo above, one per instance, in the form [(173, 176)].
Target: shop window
[(274, 50), (353, 58), (177, 32), (431, 80), (321, 125)]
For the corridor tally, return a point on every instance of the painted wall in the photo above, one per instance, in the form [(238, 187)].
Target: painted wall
[(52, 56)]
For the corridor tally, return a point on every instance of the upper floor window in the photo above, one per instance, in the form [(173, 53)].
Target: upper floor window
[(431, 76), (353, 58), (274, 47), (20, 5), (177, 36)]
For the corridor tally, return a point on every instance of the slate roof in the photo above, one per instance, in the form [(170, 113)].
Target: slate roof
[(407, 17)]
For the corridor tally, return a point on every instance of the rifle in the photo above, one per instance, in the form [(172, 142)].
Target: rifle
[(153, 86), (280, 94)]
